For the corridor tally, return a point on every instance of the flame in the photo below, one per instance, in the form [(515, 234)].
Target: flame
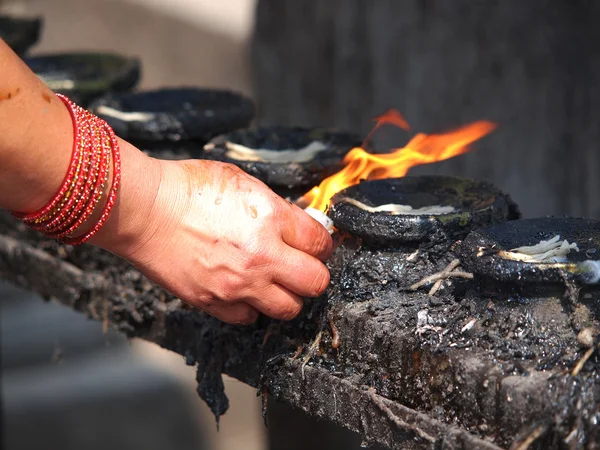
[(422, 149), (391, 117)]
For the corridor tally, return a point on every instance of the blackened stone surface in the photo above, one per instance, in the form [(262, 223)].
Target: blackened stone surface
[(211, 389), (20, 34), (175, 114), (477, 203), (464, 369), (479, 251), (289, 175), (85, 76)]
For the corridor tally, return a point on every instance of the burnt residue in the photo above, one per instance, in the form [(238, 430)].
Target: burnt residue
[(413, 370), (210, 387), (290, 175), (359, 272), (476, 204), (480, 252), (577, 400), (480, 363), (85, 76), (482, 360), (168, 116)]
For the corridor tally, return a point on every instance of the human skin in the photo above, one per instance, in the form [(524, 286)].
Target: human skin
[(207, 232)]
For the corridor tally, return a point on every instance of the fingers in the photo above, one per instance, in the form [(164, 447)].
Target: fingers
[(233, 313), (307, 235), (278, 302), (275, 301), (302, 274)]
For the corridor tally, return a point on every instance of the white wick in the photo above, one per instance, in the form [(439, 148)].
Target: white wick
[(123, 115), (321, 217), (552, 250), (287, 156), (395, 209)]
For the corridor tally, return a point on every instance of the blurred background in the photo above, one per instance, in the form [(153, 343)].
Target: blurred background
[(531, 67)]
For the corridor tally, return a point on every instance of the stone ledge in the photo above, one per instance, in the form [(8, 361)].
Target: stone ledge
[(385, 382)]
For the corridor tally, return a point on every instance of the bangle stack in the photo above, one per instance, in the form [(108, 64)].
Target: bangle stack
[(95, 146)]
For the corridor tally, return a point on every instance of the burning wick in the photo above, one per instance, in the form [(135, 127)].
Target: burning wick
[(422, 149), (321, 217)]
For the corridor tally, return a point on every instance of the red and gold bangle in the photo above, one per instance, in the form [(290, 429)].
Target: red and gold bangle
[(95, 147), (96, 191), (83, 189), (68, 210), (112, 195)]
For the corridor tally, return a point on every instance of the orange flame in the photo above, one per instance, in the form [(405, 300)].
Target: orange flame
[(422, 149)]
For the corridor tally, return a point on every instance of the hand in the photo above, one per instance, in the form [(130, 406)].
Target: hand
[(222, 241)]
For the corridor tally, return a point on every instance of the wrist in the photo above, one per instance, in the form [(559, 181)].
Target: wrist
[(128, 221)]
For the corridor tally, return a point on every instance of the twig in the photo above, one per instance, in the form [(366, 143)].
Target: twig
[(441, 276), (436, 287), (397, 420), (298, 352), (311, 351), (530, 439), (449, 268), (470, 324), (582, 361)]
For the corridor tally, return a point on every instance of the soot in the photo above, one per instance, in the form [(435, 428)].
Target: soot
[(85, 76), (286, 175), (475, 203)]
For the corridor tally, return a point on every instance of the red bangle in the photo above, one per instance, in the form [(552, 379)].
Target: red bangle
[(94, 146), (112, 196), (79, 213), (68, 210)]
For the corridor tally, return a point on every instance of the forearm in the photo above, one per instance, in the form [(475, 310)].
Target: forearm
[(36, 144), (36, 137)]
